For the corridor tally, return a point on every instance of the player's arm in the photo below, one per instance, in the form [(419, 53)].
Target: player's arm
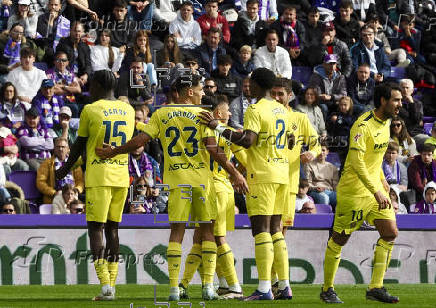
[(75, 152), (133, 144), (384, 182), (220, 157), (311, 138), (245, 138)]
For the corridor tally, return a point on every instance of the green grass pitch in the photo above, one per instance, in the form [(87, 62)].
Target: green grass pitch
[(135, 296)]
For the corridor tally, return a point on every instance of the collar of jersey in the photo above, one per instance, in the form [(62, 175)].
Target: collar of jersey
[(377, 119)]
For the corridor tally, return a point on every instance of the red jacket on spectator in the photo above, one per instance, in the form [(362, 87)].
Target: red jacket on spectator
[(420, 174), (220, 22)]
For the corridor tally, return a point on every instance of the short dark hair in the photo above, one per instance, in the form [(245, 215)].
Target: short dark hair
[(224, 59), (289, 8), (187, 81), (16, 24), (427, 147), (303, 183), (384, 90), (252, 2), (284, 83), (264, 78), (210, 79), (367, 27), (60, 51), (214, 30), (105, 78), (364, 65), (313, 10), (137, 59), (345, 4), (187, 3), (119, 3), (211, 1), (27, 51), (393, 146), (272, 31)]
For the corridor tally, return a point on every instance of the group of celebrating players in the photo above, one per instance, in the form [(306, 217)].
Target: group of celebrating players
[(270, 149)]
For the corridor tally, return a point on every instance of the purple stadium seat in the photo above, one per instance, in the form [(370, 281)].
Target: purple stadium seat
[(427, 128), (27, 181), (302, 74), (398, 72), (323, 208), (334, 159), (45, 209)]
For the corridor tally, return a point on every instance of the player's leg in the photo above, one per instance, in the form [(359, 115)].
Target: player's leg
[(95, 232), (382, 255), (193, 261)]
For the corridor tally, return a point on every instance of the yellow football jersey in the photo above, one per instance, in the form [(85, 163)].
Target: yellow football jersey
[(362, 174), (111, 122), (268, 156), (186, 159), (305, 134), (220, 176)]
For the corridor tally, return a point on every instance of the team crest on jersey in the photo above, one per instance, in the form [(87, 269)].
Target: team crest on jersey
[(356, 138), (294, 126)]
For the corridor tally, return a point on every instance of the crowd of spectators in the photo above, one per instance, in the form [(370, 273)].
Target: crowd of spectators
[(49, 50)]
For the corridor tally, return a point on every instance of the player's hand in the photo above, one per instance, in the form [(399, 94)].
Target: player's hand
[(105, 152), (208, 119), (240, 184), (383, 202), (306, 157)]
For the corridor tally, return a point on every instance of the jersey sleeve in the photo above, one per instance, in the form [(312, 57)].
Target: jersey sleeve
[(152, 128), (311, 137), (252, 120), (357, 138), (83, 130)]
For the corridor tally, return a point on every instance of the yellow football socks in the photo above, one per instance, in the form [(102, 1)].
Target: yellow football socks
[(281, 260), (208, 255), (192, 263), (101, 268), (331, 263), (264, 254), (113, 272), (174, 258), (226, 264), (382, 256)]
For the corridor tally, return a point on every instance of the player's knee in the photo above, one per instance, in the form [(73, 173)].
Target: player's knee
[(340, 238), (390, 235), (220, 240)]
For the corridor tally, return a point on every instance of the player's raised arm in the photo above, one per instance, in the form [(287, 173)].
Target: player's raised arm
[(133, 144)]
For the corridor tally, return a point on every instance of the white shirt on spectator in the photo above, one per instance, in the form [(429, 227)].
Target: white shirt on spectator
[(165, 11), (190, 32), (278, 61), (26, 82), (300, 202), (372, 62), (100, 58)]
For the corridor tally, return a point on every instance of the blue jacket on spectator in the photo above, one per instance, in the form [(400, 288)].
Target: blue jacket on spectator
[(359, 56), (204, 55)]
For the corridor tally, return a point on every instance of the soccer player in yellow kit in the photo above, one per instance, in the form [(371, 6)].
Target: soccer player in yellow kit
[(305, 134), (265, 136), (188, 147), (229, 284), (363, 194), (106, 121)]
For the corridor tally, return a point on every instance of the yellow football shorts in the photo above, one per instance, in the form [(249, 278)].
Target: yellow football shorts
[(352, 211), (289, 211), (199, 202), (105, 203), (225, 220), (267, 199)]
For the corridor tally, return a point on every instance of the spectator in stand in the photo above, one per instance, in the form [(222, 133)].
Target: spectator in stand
[(323, 178), (308, 208), (104, 56), (291, 32), (62, 200), (12, 110), (139, 90), (48, 105), (139, 164), (123, 29), (422, 170), (313, 27), (208, 52), (80, 10), (329, 82), (240, 104), (26, 78), (397, 55), (370, 51), (52, 26), (347, 27), (66, 83), (302, 197), (62, 128), (78, 53), (163, 11), (227, 83), (330, 44), (409, 38), (363, 9), (185, 29), (390, 11), (244, 65), (34, 140), (309, 104), (428, 204), (360, 87), (141, 12), (25, 17), (5, 10), (141, 49), (395, 172), (412, 112), (9, 153), (273, 57), (249, 29), (77, 207), (432, 139), (46, 181), (210, 86), (267, 10), (170, 55), (8, 209), (394, 194), (212, 19), (407, 144)]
